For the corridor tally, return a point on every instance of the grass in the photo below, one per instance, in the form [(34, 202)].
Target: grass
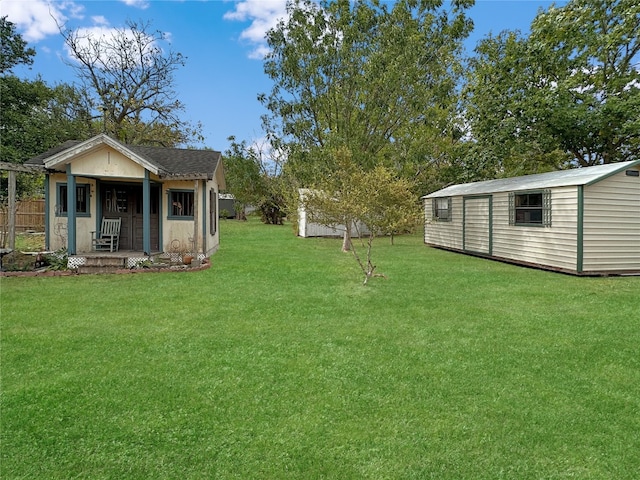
[(276, 363)]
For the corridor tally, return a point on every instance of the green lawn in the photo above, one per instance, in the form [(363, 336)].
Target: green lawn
[(276, 363)]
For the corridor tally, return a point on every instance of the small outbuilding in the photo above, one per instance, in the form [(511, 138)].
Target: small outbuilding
[(308, 227), (583, 221), (163, 199)]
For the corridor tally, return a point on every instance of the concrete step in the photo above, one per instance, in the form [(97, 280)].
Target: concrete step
[(117, 262), (94, 265)]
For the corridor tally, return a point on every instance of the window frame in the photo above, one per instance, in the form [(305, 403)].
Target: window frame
[(436, 210), (61, 207), (213, 211), (544, 208), (170, 201)]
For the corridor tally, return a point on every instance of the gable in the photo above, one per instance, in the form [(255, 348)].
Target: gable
[(88, 157), (106, 162)]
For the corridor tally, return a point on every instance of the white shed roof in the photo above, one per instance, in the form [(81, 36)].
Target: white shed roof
[(561, 178)]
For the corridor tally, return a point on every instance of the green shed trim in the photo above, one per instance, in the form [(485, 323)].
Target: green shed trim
[(580, 225)]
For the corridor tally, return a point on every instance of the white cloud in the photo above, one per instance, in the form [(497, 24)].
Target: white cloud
[(263, 15), (37, 19), (105, 36), (141, 4), (100, 20)]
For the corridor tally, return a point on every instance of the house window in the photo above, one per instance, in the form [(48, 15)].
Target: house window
[(82, 200), (442, 209), (213, 216), (181, 204), (530, 208)]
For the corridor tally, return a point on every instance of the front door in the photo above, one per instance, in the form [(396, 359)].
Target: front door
[(125, 201)]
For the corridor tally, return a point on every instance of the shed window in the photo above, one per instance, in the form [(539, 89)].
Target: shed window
[(442, 209), (213, 216), (181, 204), (530, 208), (82, 200)]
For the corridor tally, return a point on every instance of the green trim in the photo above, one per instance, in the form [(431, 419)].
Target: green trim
[(580, 222), (171, 191), (85, 186), (435, 209), (160, 219), (490, 224), (545, 208), (146, 213), (71, 212), (204, 216), (47, 216)]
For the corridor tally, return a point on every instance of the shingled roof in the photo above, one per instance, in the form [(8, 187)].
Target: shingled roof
[(166, 162)]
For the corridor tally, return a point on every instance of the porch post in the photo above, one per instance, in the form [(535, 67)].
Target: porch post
[(71, 212), (195, 218), (146, 213), (47, 203), (12, 209)]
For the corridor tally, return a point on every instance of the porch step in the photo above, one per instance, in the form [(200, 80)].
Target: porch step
[(103, 264)]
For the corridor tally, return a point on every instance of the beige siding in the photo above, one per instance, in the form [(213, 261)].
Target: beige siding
[(554, 246), (444, 234), (106, 162), (58, 233), (611, 235), (477, 225)]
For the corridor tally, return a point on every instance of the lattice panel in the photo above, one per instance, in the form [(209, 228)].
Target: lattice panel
[(74, 262)]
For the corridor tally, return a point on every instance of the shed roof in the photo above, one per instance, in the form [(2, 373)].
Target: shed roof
[(561, 178), (165, 162)]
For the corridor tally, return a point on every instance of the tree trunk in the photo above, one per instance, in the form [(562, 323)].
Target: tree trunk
[(346, 238)]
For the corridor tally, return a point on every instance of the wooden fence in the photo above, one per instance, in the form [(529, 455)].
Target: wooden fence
[(29, 216)]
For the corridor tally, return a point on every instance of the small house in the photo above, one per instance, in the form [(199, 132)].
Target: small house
[(583, 221), (166, 198)]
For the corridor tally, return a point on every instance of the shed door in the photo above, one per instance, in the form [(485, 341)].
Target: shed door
[(477, 225)]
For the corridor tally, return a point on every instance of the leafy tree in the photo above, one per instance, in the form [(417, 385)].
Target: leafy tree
[(33, 116), (375, 78), (357, 74), (13, 49), (566, 94), (376, 199), (252, 177), (128, 79)]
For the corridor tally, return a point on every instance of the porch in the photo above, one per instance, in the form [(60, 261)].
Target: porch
[(109, 262)]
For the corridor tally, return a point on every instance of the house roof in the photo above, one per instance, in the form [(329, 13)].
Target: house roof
[(561, 178), (162, 161)]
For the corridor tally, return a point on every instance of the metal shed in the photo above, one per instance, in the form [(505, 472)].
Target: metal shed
[(307, 227), (584, 221)]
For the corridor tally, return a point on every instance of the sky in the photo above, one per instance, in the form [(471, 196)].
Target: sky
[(223, 41)]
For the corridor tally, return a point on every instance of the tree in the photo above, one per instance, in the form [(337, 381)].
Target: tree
[(13, 49), (128, 78), (33, 116), (375, 199), (252, 177), (374, 78), (566, 94)]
